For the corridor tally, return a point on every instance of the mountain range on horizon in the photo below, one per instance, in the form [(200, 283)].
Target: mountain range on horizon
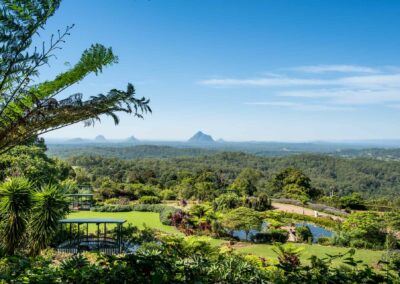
[(98, 139), (198, 137), (201, 138)]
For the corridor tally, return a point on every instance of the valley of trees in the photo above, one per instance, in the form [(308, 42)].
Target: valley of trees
[(124, 151), (331, 175)]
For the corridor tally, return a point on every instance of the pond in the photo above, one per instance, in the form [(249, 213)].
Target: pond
[(241, 234), (315, 230)]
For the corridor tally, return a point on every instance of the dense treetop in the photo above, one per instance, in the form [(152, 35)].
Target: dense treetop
[(329, 174)]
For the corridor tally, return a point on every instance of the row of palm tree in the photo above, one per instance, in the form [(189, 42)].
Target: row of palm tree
[(29, 216)]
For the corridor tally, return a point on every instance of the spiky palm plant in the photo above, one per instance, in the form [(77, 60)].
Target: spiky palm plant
[(288, 256), (50, 205), (15, 205)]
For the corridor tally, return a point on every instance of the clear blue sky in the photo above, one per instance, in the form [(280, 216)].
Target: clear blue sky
[(242, 70)]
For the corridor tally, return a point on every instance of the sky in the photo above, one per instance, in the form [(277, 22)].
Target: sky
[(240, 70)]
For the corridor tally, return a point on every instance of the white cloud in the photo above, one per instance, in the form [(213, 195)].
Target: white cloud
[(335, 68), (336, 92), (263, 82), (371, 81), (301, 106), (366, 81), (347, 96)]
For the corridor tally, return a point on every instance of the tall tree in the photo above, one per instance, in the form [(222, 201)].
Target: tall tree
[(242, 218), (28, 109), (293, 183), (246, 182)]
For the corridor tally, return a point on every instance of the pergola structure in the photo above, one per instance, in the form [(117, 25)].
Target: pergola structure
[(84, 240), (80, 201)]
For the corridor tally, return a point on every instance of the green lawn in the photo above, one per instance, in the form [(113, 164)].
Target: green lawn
[(367, 256), (152, 220)]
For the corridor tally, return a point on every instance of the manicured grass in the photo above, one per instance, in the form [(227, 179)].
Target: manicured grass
[(263, 250), (151, 219)]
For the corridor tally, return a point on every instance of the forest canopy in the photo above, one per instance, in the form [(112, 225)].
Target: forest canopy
[(327, 174)]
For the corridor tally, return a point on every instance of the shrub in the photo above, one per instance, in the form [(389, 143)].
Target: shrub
[(123, 201), (264, 202), (324, 241), (149, 199), (357, 243), (366, 229), (112, 208), (144, 190), (304, 234), (259, 203), (341, 239), (226, 201), (392, 258), (353, 201), (275, 224), (117, 201), (271, 236), (113, 200), (148, 207), (166, 213), (168, 194)]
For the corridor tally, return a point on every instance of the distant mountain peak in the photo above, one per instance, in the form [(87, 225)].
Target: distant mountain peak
[(100, 138), (201, 137), (132, 139)]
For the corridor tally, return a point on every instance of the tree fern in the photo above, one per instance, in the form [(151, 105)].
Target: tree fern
[(28, 109)]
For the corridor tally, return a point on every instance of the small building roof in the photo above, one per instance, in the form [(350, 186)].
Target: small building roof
[(92, 221)]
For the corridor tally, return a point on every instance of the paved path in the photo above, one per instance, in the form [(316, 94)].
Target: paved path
[(300, 210)]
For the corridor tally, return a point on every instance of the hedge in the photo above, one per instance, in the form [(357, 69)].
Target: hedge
[(112, 208), (271, 236), (324, 241), (149, 200)]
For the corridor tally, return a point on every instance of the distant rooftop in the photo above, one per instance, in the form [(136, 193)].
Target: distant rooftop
[(92, 221)]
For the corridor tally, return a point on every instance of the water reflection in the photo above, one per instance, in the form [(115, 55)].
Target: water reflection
[(315, 230)]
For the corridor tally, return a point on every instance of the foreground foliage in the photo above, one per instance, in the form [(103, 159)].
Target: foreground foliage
[(167, 259), (28, 216)]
